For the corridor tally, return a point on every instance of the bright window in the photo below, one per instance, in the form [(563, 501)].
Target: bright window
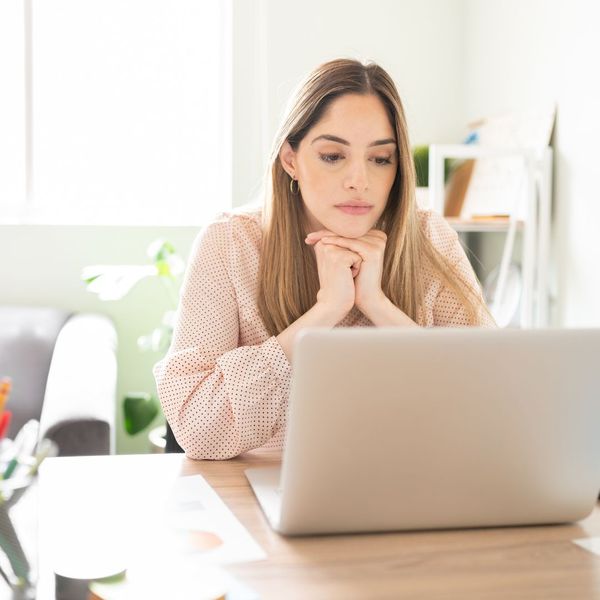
[(131, 112)]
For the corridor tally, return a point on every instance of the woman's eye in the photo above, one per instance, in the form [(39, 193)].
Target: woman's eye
[(382, 160), (330, 158), (334, 157)]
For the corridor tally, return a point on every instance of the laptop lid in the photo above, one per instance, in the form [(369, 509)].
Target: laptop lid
[(395, 429)]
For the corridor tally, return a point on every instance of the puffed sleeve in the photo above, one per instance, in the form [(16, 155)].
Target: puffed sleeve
[(219, 399), (448, 310)]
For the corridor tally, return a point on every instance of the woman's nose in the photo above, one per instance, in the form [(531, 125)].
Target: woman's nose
[(356, 177)]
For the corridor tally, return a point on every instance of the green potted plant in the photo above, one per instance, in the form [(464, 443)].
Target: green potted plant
[(113, 282), (421, 161)]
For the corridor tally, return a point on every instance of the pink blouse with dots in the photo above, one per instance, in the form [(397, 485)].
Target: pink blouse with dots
[(224, 383)]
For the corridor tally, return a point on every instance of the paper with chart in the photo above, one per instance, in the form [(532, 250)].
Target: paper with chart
[(201, 525)]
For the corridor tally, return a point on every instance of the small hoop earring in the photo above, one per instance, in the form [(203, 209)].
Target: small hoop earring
[(294, 192)]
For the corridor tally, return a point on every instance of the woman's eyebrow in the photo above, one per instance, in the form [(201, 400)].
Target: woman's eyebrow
[(339, 140)]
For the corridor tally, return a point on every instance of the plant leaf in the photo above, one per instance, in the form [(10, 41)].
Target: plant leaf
[(90, 279), (113, 282), (139, 410), (160, 250)]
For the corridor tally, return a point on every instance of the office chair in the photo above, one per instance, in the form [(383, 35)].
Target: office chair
[(171, 445)]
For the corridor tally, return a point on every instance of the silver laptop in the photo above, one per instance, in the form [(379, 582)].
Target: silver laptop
[(393, 429)]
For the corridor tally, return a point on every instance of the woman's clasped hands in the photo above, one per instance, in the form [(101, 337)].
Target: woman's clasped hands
[(350, 270)]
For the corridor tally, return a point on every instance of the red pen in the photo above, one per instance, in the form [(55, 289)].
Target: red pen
[(5, 418)]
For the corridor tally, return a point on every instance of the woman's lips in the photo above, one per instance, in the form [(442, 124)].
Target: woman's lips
[(354, 210)]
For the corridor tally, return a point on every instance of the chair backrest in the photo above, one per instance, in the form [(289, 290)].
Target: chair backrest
[(171, 445)]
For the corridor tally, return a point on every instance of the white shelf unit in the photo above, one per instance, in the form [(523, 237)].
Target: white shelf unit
[(534, 224)]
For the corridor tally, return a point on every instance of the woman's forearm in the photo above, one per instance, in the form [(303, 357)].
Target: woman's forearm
[(384, 313), (319, 315)]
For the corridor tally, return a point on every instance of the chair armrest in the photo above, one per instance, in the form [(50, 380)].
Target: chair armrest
[(80, 398)]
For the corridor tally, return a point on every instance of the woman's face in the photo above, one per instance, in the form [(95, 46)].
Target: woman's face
[(345, 166)]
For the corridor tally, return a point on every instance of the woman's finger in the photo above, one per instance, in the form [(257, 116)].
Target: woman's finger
[(359, 246), (315, 236)]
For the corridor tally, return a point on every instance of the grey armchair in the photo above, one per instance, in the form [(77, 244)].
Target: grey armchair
[(64, 373)]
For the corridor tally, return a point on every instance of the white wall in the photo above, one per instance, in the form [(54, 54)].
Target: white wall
[(420, 43), (519, 52)]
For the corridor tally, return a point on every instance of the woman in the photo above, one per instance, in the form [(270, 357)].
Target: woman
[(340, 242)]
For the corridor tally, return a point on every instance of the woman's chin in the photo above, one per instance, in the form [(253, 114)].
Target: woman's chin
[(351, 230)]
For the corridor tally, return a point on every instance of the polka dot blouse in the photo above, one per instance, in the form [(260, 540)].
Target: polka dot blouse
[(224, 383)]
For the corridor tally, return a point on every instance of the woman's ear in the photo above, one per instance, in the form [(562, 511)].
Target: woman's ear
[(287, 156)]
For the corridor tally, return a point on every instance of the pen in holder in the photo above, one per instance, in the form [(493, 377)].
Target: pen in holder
[(18, 474)]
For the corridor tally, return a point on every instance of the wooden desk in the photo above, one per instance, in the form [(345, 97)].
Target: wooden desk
[(524, 562)]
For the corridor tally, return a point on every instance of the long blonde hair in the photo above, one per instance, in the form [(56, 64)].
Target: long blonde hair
[(288, 276)]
